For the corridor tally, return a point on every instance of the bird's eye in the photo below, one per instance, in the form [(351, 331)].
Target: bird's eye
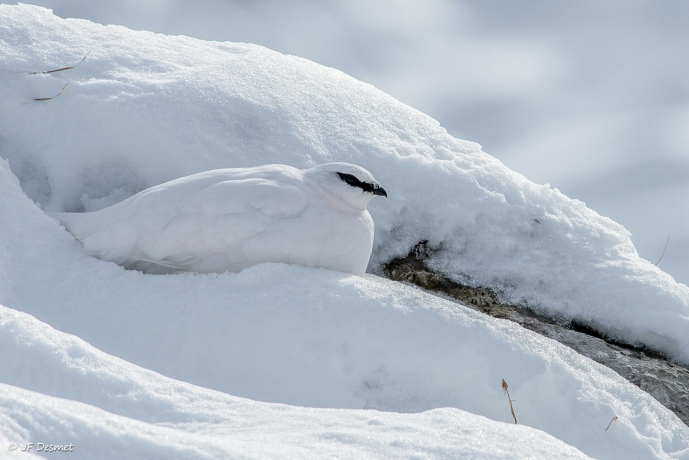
[(351, 180)]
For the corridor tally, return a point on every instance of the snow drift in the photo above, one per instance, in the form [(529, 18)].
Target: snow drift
[(293, 335), (145, 415), (144, 108)]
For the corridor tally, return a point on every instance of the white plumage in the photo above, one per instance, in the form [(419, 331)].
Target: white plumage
[(231, 219)]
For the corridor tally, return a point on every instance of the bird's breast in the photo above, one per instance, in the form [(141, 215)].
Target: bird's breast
[(319, 237)]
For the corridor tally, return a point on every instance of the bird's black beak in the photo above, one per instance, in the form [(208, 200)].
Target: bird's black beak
[(380, 191)]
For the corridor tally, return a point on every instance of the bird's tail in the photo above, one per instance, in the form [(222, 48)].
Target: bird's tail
[(78, 224)]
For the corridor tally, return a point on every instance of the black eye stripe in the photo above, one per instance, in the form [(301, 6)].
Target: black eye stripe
[(354, 182), (351, 180), (365, 186)]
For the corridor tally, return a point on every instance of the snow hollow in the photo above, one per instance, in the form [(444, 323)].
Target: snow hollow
[(99, 346)]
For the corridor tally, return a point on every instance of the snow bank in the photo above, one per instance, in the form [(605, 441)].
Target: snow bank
[(145, 108), (300, 336), (141, 414)]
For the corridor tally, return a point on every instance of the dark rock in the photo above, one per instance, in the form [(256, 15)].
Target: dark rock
[(666, 381)]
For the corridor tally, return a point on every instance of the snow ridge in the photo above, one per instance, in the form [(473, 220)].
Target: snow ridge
[(145, 108)]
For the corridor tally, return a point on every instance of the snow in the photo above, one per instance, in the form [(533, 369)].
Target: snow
[(145, 108), (292, 335), (150, 416)]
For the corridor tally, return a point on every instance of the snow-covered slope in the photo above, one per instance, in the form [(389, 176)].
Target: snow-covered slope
[(293, 335), (144, 108), (145, 415)]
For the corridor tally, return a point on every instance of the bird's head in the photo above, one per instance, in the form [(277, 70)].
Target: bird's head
[(347, 182)]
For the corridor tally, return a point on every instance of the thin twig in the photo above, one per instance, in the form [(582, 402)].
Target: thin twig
[(661, 257), (504, 387), (64, 68), (613, 419), (49, 98)]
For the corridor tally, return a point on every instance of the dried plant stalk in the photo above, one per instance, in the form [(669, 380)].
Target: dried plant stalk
[(64, 68), (613, 419), (504, 387), (661, 256), (49, 98)]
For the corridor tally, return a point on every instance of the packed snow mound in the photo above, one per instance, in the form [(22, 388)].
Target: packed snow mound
[(285, 433), (290, 334), (144, 108), (117, 410)]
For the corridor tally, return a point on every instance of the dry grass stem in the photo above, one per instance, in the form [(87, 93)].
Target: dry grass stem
[(613, 419), (64, 68), (661, 257), (49, 98), (504, 387)]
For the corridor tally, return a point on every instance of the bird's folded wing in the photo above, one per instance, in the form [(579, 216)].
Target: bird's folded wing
[(177, 226)]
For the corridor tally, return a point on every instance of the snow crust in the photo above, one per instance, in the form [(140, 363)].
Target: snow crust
[(145, 108), (306, 337), (124, 411)]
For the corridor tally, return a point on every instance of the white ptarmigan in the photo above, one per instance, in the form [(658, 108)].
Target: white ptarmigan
[(231, 219)]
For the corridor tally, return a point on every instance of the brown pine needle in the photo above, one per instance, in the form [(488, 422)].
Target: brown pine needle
[(49, 98), (504, 387), (64, 68), (613, 419), (661, 257)]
